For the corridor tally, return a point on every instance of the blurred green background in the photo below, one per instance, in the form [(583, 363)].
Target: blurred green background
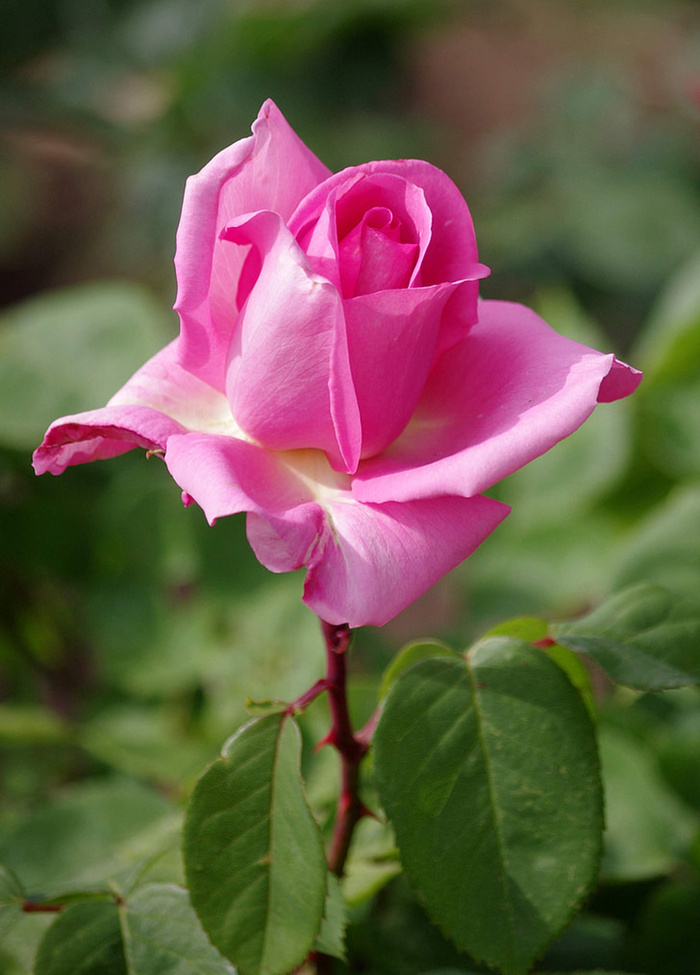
[(131, 633)]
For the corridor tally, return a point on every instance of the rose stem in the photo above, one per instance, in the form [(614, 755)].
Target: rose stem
[(342, 737), (308, 696), (34, 907), (351, 749)]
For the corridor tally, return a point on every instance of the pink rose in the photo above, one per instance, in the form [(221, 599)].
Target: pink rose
[(335, 377)]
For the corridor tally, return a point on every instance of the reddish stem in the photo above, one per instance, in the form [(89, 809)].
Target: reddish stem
[(351, 749), (322, 963), (308, 696), (364, 735), (32, 907)]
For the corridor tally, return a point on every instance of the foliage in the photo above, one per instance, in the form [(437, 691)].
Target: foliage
[(131, 633), (251, 841), (110, 846)]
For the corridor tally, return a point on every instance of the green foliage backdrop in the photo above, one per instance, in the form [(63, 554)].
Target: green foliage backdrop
[(131, 633)]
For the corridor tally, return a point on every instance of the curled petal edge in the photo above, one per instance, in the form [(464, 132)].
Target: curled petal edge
[(495, 401)]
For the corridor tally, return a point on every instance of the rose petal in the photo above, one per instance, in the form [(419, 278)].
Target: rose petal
[(330, 226), (280, 491), (391, 341), (226, 475), (366, 258), (159, 400), (163, 384), (282, 544), (92, 442), (373, 258), (272, 170), (460, 311), (504, 395), (366, 562), (448, 251), (451, 253), (375, 560), (291, 335), (619, 382)]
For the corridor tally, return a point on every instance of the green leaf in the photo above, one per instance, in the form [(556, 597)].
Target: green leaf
[(22, 724), (18, 945), (647, 827), (669, 400), (536, 631), (669, 346), (644, 637), (154, 930), (85, 940), (96, 834), (575, 671), (527, 628), (11, 898), (331, 937), (145, 742), (488, 769), (11, 889), (253, 853), (373, 861), (669, 428), (533, 630), (665, 548), (162, 934), (409, 655), (268, 706), (68, 351), (365, 878)]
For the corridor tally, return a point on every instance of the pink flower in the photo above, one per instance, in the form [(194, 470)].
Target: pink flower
[(335, 378)]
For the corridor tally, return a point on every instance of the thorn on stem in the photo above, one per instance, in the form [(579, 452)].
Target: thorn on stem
[(329, 739), (366, 813)]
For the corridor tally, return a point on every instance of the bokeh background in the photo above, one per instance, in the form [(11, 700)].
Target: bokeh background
[(131, 633)]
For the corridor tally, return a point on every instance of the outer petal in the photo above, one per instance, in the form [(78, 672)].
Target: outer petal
[(225, 476), (504, 395), (271, 170), (80, 439), (366, 562), (374, 560), (291, 337), (160, 400)]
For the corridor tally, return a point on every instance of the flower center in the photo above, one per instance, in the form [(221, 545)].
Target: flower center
[(313, 470), (373, 256)]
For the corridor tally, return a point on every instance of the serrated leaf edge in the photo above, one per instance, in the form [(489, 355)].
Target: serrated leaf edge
[(224, 758), (586, 893)]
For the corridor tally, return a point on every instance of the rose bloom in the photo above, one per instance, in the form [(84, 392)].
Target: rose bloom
[(336, 377)]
